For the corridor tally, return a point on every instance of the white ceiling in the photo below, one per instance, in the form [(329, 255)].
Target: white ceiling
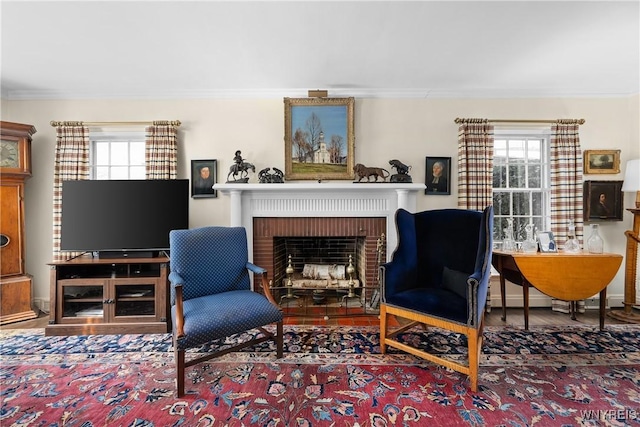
[(261, 49)]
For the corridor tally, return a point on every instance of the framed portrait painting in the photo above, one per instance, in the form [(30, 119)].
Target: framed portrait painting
[(438, 176), (601, 161), (319, 138), (603, 201), (203, 177)]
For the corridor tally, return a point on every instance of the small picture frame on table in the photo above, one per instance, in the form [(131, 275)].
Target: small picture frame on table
[(547, 242), (203, 177), (438, 176)]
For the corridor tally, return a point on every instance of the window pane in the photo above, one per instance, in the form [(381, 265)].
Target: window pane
[(137, 172), (521, 203), (119, 153), (535, 149), (499, 176), (537, 222), (536, 203), (137, 153), (102, 153), (119, 172), (517, 176), (501, 204), (519, 230), (102, 172), (499, 224), (516, 149), (535, 176), (500, 148)]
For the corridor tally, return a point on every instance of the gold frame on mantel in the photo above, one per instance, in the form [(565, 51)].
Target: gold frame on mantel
[(308, 122)]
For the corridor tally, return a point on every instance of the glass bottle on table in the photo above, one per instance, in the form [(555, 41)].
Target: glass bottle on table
[(595, 244), (530, 245), (509, 243), (572, 244)]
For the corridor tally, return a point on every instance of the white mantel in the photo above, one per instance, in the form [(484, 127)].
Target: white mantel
[(330, 199)]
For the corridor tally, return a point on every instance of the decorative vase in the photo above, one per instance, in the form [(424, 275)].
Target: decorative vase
[(572, 245), (530, 245), (595, 244), (509, 243)]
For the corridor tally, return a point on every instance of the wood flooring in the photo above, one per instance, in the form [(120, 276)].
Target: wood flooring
[(537, 317)]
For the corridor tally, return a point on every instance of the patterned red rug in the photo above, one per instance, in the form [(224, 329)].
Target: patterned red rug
[(570, 376)]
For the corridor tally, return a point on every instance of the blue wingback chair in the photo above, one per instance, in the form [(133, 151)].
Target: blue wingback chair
[(211, 296), (439, 276)]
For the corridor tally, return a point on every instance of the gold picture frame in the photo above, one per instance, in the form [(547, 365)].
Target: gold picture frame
[(319, 139), (601, 161)]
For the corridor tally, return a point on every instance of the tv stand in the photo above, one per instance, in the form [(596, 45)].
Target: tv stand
[(127, 254), (92, 295)]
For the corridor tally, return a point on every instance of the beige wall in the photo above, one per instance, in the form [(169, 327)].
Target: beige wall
[(406, 129)]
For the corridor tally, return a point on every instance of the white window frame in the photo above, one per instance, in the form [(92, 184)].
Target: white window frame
[(111, 137), (545, 189)]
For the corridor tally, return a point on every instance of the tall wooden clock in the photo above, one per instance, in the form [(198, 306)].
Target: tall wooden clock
[(16, 287)]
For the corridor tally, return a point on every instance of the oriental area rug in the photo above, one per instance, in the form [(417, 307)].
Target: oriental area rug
[(329, 376)]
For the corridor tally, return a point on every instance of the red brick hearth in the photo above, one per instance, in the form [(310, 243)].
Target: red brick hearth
[(366, 230)]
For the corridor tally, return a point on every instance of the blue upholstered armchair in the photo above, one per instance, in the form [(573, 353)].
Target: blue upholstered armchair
[(211, 296), (439, 276)]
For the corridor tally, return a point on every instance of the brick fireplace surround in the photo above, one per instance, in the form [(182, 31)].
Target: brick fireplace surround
[(364, 210)]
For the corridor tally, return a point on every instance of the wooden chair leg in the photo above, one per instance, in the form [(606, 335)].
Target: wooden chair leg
[(279, 340), (473, 350), (179, 356), (383, 328)]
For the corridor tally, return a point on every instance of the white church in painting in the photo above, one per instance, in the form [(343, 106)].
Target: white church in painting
[(321, 155)]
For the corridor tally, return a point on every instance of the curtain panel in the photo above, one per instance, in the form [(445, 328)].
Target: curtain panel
[(475, 169), (475, 164), (566, 189), (71, 162), (161, 151)]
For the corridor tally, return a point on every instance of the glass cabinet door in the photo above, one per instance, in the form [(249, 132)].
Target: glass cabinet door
[(81, 300), (135, 299)]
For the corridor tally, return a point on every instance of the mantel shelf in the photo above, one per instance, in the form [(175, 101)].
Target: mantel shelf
[(322, 186)]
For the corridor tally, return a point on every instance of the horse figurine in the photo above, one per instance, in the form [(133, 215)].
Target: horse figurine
[(242, 169)]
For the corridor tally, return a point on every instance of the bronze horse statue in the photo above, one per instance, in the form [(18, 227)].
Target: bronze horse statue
[(242, 169)]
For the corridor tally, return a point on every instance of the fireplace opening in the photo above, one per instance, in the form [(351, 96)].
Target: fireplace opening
[(321, 241), (322, 251)]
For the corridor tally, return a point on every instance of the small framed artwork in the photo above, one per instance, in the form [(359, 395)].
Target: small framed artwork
[(601, 161), (547, 242), (603, 201), (203, 176), (319, 139), (438, 175)]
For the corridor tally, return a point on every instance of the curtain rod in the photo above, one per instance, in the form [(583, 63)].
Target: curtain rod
[(152, 123), (557, 121)]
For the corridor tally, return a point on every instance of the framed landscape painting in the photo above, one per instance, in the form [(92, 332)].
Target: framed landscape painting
[(601, 161), (319, 138)]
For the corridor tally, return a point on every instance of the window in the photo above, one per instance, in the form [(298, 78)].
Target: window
[(117, 155), (521, 181)]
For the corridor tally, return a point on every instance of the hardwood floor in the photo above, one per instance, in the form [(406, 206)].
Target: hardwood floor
[(515, 317)]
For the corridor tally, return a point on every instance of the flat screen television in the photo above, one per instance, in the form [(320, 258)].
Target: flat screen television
[(122, 218)]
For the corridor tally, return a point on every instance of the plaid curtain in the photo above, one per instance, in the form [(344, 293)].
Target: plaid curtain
[(161, 150), (475, 168), (475, 164), (71, 163), (566, 188)]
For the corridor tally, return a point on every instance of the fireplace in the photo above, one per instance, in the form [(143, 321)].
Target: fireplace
[(333, 214), (317, 240)]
